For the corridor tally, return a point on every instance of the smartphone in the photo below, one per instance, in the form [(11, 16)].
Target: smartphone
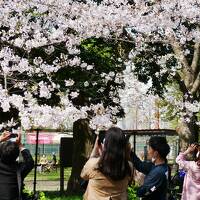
[(13, 137), (101, 137)]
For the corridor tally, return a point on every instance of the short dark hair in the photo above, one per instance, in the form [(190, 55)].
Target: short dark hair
[(159, 144), (113, 162), (9, 151)]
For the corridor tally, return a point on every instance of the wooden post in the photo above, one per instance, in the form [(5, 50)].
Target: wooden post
[(36, 154), (61, 170), (134, 142), (61, 179), (157, 114)]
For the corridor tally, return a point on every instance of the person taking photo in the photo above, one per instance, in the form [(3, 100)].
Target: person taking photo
[(108, 169), (9, 167), (156, 170), (191, 184)]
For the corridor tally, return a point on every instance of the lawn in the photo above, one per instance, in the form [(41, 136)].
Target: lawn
[(54, 176), (49, 176)]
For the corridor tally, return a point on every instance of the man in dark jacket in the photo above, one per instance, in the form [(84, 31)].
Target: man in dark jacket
[(156, 171), (9, 152)]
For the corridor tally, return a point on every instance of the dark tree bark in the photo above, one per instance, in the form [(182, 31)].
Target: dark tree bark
[(82, 146), (188, 132)]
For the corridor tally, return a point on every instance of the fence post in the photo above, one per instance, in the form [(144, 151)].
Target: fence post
[(36, 154)]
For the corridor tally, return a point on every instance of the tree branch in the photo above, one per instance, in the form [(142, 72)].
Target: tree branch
[(187, 70), (196, 54), (179, 52), (181, 83), (196, 85), (195, 57)]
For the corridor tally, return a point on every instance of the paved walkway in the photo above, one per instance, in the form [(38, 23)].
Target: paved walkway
[(45, 185)]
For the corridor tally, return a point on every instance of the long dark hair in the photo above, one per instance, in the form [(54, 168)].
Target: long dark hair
[(113, 162)]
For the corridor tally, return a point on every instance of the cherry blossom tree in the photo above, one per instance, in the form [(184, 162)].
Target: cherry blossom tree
[(167, 31), (39, 39), (48, 80), (58, 81), (167, 52)]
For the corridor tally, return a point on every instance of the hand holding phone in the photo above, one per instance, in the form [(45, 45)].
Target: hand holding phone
[(13, 137), (101, 137)]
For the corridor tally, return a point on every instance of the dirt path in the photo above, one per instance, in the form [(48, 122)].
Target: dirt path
[(45, 185)]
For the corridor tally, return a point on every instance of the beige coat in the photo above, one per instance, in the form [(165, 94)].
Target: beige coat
[(101, 187)]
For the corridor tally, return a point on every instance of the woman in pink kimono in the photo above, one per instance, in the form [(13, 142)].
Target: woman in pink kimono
[(191, 185)]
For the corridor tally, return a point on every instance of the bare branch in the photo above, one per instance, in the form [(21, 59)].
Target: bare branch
[(187, 70), (5, 82), (196, 84), (181, 83), (195, 57), (22, 49), (180, 55)]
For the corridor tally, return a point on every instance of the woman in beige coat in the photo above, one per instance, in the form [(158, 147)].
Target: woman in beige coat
[(108, 169)]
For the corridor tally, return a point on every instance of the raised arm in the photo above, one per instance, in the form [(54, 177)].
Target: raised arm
[(181, 158), (28, 163), (141, 166)]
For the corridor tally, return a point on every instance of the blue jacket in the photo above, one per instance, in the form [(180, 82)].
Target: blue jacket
[(155, 181)]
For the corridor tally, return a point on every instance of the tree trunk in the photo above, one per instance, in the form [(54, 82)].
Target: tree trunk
[(82, 146), (188, 132)]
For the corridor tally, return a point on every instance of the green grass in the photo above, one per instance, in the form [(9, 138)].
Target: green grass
[(54, 176), (49, 176)]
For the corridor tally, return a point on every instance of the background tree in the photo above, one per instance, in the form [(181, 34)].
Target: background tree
[(94, 89), (39, 39), (52, 73), (171, 56)]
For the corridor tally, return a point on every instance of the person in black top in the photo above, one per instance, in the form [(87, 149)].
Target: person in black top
[(156, 172), (9, 152)]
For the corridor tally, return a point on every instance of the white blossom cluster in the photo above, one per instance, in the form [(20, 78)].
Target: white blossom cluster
[(138, 106), (183, 109), (44, 23)]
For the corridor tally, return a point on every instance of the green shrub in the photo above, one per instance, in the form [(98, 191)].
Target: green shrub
[(28, 194), (132, 192)]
